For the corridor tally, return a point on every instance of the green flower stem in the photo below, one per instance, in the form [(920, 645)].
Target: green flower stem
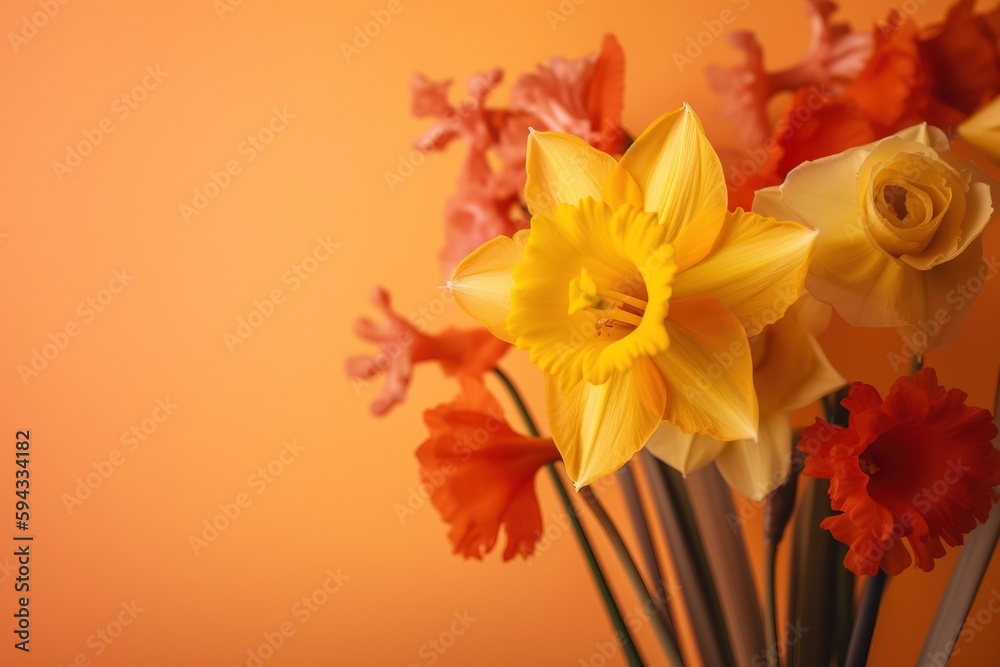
[(628, 645), (663, 632)]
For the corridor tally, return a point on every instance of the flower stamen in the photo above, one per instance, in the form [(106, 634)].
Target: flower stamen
[(613, 306)]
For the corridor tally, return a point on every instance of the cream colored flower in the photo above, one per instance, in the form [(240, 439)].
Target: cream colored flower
[(900, 222)]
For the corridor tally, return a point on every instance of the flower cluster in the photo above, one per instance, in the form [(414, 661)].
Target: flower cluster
[(672, 308), (854, 88)]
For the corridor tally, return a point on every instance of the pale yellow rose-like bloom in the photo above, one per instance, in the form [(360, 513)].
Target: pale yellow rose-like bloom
[(790, 371), (899, 225), (982, 130)]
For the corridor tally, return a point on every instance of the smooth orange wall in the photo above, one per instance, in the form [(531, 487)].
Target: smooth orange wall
[(210, 77)]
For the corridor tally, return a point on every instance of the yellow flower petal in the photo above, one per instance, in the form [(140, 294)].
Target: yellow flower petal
[(592, 291), (598, 428), (813, 314), (708, 371), (681, 179), (757, 268), (483, 280), (755, 469), (982, 130), (685, 452), (847, 269), (945, 299), (790, 369), (563, 169)]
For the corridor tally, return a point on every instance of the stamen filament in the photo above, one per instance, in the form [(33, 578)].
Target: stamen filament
[(622, 316), (611, 295)]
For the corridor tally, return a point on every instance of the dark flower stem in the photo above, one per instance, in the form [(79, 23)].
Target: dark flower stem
[(667, 640), (864, 626), (770, 610), (628, 645), (640, 524)]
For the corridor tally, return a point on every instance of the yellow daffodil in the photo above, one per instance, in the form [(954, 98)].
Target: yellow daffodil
[(900, 222), (635, 291), (790, 371), (982, 130)]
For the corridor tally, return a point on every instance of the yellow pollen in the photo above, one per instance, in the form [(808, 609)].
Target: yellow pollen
[(867, 466), (613, 306)]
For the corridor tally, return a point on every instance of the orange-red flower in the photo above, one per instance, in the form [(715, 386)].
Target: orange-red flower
[(481, 474), (906, 80), (835, 56), (918, 466), (461, 352), (963, 57)]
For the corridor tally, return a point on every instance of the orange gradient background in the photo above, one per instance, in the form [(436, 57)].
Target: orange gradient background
[(334, 506)]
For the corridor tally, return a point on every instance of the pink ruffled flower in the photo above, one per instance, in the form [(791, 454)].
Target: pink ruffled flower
[(583, 96), (473, 216), (469, 120), (470, 352)]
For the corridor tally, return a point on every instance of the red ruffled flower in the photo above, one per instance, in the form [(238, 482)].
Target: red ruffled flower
[(461, 352), (481, 474), (918, 466)]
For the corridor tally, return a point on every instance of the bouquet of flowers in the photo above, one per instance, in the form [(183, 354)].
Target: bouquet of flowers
[(671, 295)]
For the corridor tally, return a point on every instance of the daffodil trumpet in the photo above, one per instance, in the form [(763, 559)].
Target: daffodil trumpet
[(636, 291)]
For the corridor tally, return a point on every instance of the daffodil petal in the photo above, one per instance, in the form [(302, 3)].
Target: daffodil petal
[(681, 179), (598, 428), (757, 268), (982, 130), (684, 452), (563, 169), (708, 371), (813, 314), (483, 280), (792, 370), (755, 469)]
